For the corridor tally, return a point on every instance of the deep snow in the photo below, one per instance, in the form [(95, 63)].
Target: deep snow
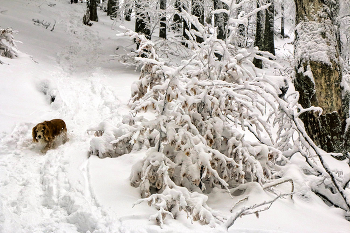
[(66, 190)]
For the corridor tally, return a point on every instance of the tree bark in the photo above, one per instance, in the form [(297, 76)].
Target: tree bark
[(110, 5), (318, 74), (282, 20), (162, 29), (93, 10), (269, 41), (185, 26), (258, 35)]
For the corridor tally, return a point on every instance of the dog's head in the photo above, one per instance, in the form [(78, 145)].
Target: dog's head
[(41, 132)]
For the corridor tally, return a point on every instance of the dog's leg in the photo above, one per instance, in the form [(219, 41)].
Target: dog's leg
[(46, 148), (65, 137)]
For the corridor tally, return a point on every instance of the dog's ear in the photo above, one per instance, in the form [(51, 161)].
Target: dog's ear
[(47, 132), (34, 134)]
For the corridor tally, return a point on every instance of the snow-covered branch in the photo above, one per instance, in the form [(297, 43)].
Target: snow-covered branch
[(254, 209)]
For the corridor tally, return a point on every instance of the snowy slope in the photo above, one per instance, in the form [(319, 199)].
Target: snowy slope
[(65, 190)]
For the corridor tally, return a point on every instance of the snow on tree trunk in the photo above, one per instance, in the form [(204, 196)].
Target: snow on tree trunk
[(318, 73)]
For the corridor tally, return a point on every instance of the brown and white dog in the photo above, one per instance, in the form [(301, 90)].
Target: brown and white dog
[(47, 131)]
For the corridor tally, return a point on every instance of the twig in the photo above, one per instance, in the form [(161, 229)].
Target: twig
[(346, 184), (31, 57), (53, 27), (273, 184), (240, 201), (253, 209)]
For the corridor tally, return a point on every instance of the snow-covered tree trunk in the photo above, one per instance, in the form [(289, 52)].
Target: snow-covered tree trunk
[(142, 18), (198, 11), (127, 10), (344, 23), (242, 29), (177, 20), (318, 73), (220, 19)]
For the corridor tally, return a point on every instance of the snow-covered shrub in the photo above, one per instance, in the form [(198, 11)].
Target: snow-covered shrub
[(106, 132), (202, 112), (172, 199), (7, 43)]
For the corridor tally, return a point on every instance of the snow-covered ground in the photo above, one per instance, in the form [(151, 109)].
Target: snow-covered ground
[(66, 190)]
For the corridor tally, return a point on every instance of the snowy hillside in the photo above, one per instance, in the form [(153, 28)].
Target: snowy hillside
[(68, 71)]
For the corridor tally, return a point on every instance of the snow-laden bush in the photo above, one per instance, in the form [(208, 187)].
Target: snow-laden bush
[(216, 121), (7, 44), (202, 111)]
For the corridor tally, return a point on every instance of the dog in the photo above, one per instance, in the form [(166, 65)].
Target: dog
[(47, 131)]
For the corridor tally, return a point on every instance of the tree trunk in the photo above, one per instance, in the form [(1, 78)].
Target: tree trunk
[(93, 10), (127, 9), (318, 74), (110, 5), (282, 20), (242, 30), (177, 18), (198, 11), (115, 10), (269, 41), (220, 20), (142, 19), (258, 35), (162, 29), (185, 27)]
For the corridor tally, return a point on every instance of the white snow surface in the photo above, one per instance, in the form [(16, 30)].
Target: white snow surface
[(66, 190)]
